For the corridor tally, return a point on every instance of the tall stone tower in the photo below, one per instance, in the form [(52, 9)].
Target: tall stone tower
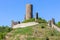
[(29, 11)]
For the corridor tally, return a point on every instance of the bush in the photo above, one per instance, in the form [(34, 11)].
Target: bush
[(58, 24), (52, 34), (47, 38), (42, 27), (30, 20), (3, 31), (40, 20)]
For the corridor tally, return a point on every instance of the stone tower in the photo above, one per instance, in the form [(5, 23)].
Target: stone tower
[(36, 17), (29, 11)]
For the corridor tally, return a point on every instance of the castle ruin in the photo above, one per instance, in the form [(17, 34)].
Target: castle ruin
[(14, 23), (28, 15), (51, 22)]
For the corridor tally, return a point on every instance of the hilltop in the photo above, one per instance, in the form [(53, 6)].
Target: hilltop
[(40, 31), (37, 32)]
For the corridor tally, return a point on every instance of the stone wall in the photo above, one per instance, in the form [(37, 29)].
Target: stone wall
[(52, 24), (14, 23)]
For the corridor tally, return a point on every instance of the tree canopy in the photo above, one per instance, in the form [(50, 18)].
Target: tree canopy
[(3, 31), (58, 24)]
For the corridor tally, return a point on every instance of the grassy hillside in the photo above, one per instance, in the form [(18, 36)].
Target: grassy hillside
[(37, 32), (40, 20)]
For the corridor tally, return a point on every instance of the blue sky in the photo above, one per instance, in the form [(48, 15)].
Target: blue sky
[(15, 10)]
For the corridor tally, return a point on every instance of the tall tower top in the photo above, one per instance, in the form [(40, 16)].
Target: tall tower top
[(29, 11), (28, 4)]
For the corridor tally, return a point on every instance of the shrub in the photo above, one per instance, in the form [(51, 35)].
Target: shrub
[(3, 31), (52, 34), (47, 38), (42, 27), (30, 20), (40, 20), (58, 24)]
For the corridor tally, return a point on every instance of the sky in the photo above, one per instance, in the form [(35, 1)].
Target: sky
[(16, 10)]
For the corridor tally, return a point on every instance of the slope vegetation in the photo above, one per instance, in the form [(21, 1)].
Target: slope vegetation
[(37, 32)]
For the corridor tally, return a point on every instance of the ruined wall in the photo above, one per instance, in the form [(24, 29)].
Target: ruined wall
[(29, 11), (52, 24), (14, 23)]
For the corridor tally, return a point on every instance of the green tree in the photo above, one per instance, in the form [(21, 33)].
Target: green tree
[(58, 24), (3, 31)]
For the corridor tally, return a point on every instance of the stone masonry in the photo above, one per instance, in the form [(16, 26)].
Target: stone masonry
[(51, 22), (29, 11), (14, 23), (28, 15)]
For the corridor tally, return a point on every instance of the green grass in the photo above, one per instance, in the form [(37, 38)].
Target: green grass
[(3, 31), (26, 30), (30, 20), (42, 33), (40, 20)]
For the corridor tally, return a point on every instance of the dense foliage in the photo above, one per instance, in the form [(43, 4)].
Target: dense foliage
[(3, 31), (58, 24), (40, 20), (30, 20)]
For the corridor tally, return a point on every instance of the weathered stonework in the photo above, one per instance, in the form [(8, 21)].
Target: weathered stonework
[(14, 23), (29, 11), (51, 22)]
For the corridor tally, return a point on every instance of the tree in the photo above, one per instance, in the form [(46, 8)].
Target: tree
[(58, 24), (3, 31)]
